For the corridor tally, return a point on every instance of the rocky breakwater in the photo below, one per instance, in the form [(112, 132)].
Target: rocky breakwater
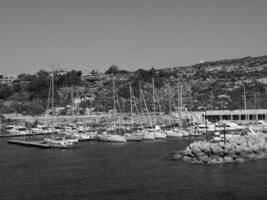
[(237, 149)]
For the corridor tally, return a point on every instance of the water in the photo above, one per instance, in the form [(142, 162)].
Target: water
[(123, 171)]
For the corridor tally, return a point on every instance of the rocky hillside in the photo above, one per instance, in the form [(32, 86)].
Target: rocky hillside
[(209, 85)]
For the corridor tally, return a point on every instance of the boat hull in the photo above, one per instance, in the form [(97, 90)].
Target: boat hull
[(112, 138), (134, 138)]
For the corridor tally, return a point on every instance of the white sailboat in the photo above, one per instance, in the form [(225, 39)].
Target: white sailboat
[(107, 137), (134, 136), (147, 134), (159, 134), (53, 141)]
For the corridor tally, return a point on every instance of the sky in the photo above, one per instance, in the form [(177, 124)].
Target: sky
[(95, 34)]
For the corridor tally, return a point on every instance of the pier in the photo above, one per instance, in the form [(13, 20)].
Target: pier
[(38, 144)]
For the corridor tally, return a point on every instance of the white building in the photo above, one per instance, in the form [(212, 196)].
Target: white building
[(7, 79)]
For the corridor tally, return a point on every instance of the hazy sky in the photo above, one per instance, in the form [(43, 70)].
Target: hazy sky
[(94, 34)]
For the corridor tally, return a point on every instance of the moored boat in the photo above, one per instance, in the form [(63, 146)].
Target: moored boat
[(106, 137), (59, 142), (133, 137)]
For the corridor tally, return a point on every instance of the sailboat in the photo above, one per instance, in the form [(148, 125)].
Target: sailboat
[(148, 134), (134, 136), (174, 132), (53, 141), (107, 137), (159, 134)]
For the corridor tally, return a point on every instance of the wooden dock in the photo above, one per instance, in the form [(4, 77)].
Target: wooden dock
[(38, 144)]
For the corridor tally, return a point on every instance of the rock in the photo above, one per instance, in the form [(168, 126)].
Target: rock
[(177, 156), (186, 158), (228, 159), (188, 152), (261, 155), (240, 160), (203, 158), (196, 151), (218, 160), (205, 147), (216, 149), (252, 156)]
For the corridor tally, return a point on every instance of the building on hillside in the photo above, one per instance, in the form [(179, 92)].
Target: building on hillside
[(7, 79)]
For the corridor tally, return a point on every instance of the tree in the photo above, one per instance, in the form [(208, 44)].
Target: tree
[(113, 69)]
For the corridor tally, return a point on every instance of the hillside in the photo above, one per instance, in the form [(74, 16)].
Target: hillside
[(209, 85)]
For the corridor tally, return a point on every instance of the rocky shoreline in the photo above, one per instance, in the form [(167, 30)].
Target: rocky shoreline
[(237, 149)]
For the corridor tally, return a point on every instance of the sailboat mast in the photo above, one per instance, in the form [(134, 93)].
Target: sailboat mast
[(134, 100), (169, 89), (72, 104), (245, 98), (52, 100), (154, 102), (150, 121), (181, 95), (131, 101), (114, 95), (140, 95)]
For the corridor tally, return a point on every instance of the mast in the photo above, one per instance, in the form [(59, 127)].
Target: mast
[(142, 94), (178, 102), (131, 101), (72, 103), (181, 96), (154, 102), (114, 95), (170, 103), (52, 100), (157, 99), (134, 100), (181, 101), (245, 98)]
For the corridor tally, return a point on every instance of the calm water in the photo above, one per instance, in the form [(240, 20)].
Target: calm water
[(123, 171)]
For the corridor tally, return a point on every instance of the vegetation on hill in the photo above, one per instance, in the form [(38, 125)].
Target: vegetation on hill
[(209, 85)]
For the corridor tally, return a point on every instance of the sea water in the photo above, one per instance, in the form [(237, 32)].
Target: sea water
[(137, 170)]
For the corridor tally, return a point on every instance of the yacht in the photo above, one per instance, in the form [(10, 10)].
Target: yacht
[(147, 135), (107, 137), (59, 142), (135, 136), (174, 133), (15, 130)]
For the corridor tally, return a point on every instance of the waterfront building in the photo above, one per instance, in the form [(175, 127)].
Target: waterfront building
[(234, 115)]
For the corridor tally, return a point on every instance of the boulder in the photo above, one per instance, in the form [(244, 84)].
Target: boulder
[(204, 158), (177, 156), (252, 156), (228, 159), (215, 149), (240, 160), (186, 158)]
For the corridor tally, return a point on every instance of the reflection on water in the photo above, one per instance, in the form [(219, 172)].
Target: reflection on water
[(142, 170)]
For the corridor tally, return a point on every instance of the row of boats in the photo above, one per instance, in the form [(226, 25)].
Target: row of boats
[(65, 136)]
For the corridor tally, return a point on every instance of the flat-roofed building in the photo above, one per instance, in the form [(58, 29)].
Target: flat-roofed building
[(7, 79), (234, 115)]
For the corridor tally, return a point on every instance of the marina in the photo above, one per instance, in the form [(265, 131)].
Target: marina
[(133, 100)]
